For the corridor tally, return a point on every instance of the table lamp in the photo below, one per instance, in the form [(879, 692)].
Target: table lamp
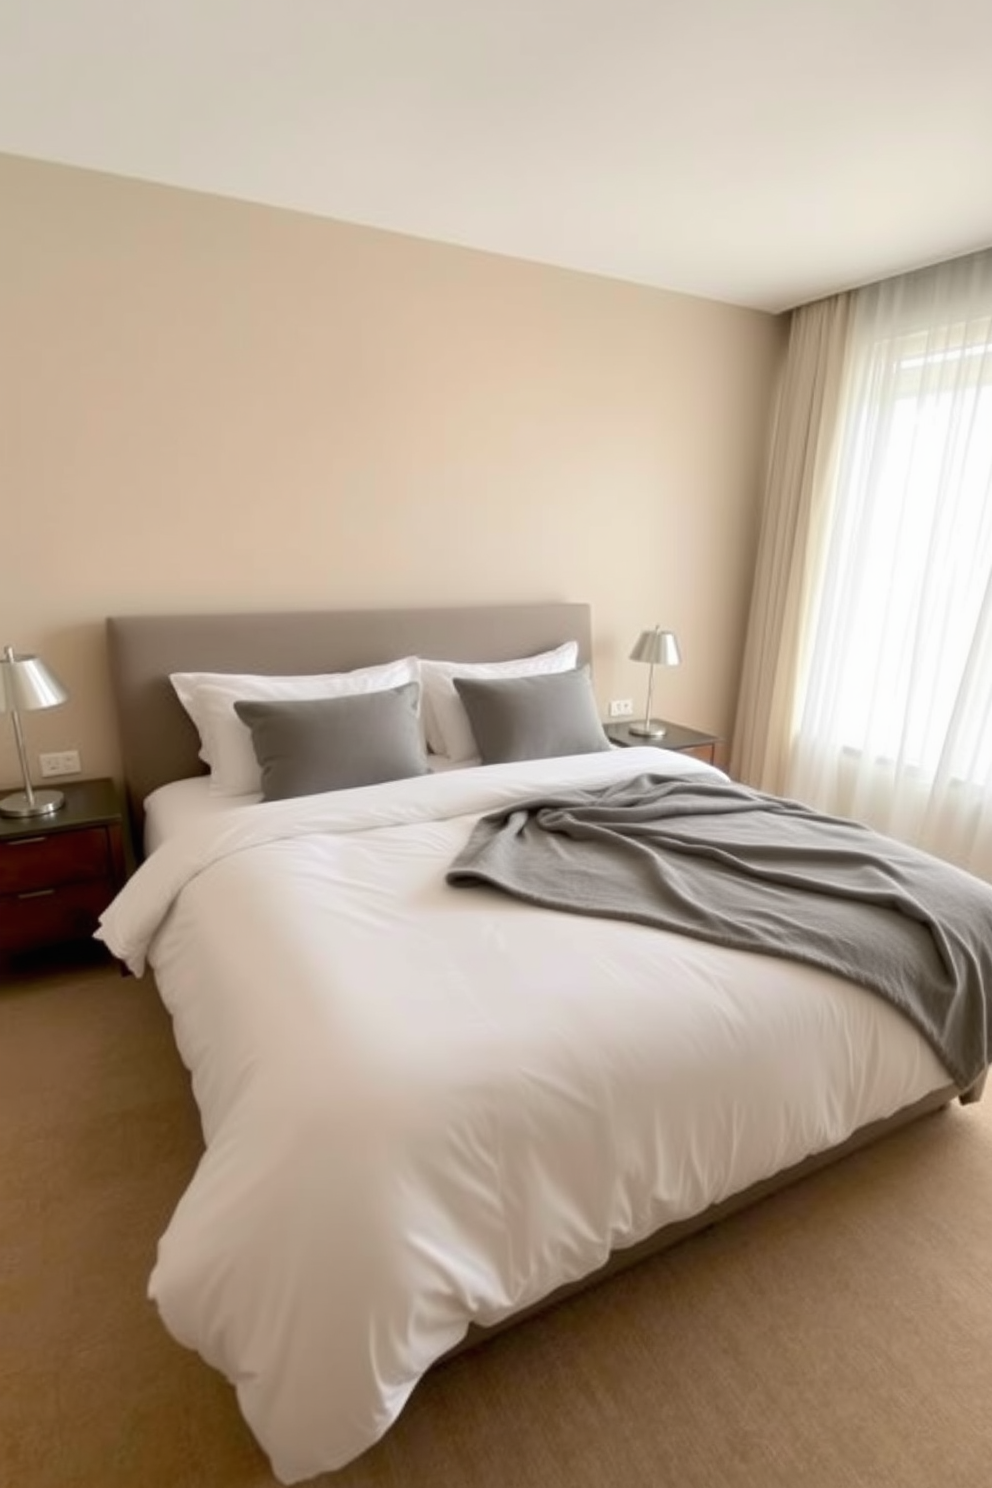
[(658, 648), (26, 684)]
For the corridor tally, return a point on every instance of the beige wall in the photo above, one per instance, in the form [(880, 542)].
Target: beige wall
[(206, 404)]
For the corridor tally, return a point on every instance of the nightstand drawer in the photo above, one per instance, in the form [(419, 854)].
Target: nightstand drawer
[(40, 917), (44, 861)]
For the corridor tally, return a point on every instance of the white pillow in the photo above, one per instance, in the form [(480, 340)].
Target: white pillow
[(225, 742), (445, 720)]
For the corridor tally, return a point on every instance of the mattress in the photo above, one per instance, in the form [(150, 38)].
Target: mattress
[(425, 1108)]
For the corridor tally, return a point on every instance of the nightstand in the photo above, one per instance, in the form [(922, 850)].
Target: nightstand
[(58, 873), (684, 740)]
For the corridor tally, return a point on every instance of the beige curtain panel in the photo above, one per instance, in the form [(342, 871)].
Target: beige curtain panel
[(798, 480)]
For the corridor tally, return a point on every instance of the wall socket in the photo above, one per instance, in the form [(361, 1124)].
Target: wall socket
[(64, 763), (622, 708)]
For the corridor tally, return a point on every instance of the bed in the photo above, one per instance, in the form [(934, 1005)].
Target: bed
[(428, 1113)]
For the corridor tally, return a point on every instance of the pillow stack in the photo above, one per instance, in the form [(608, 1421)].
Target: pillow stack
[(225, 740), (294, 736), (446, 722)]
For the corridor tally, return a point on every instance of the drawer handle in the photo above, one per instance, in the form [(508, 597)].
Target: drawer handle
[(24, 841), (35, 894)]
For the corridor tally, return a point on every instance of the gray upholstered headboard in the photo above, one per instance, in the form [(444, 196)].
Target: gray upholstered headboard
[(158, 741)]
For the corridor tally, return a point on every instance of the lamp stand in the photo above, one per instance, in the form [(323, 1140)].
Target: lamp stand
[(28, 802), (649, 729)]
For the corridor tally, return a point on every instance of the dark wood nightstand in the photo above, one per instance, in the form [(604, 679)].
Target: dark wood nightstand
[(58, 873), (685, 740)]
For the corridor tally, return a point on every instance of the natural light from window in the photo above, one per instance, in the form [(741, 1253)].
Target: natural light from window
[(911, 555)]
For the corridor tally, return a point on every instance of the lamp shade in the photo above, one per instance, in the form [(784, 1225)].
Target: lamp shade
[(27, 684), (659, 647)]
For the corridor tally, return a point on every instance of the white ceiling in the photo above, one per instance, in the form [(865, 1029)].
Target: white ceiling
[(764, 152)]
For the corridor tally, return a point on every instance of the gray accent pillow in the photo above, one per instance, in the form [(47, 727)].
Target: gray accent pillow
[(523, 718), (325, 744)]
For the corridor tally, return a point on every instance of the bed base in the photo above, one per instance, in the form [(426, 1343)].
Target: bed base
[(974, 1092)]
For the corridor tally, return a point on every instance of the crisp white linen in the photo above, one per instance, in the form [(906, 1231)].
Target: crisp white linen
[(172, 808), (426, 1106)]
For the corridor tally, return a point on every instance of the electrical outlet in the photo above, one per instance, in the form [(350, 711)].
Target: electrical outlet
[(64, 763), (622, 708)]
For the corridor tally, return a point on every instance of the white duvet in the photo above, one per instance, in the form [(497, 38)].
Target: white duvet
[(426, 1106)]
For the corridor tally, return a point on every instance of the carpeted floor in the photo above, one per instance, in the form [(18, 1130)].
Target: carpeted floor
[(839, 1334)]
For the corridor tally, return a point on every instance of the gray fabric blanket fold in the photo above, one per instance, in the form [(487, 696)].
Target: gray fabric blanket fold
[(715, 860)]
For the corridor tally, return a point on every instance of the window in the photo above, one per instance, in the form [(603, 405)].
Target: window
[(893, 714), (912, 541)]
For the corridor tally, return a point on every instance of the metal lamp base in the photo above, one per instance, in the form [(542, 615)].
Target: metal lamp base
[(647, 730), (45, 803)]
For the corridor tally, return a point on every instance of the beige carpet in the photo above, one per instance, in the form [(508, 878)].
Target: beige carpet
[(839, 1334)]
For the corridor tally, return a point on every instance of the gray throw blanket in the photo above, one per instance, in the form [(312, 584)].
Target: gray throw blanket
[(718, 861)]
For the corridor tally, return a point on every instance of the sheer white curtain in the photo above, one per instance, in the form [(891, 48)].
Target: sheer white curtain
[(893, 707)]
